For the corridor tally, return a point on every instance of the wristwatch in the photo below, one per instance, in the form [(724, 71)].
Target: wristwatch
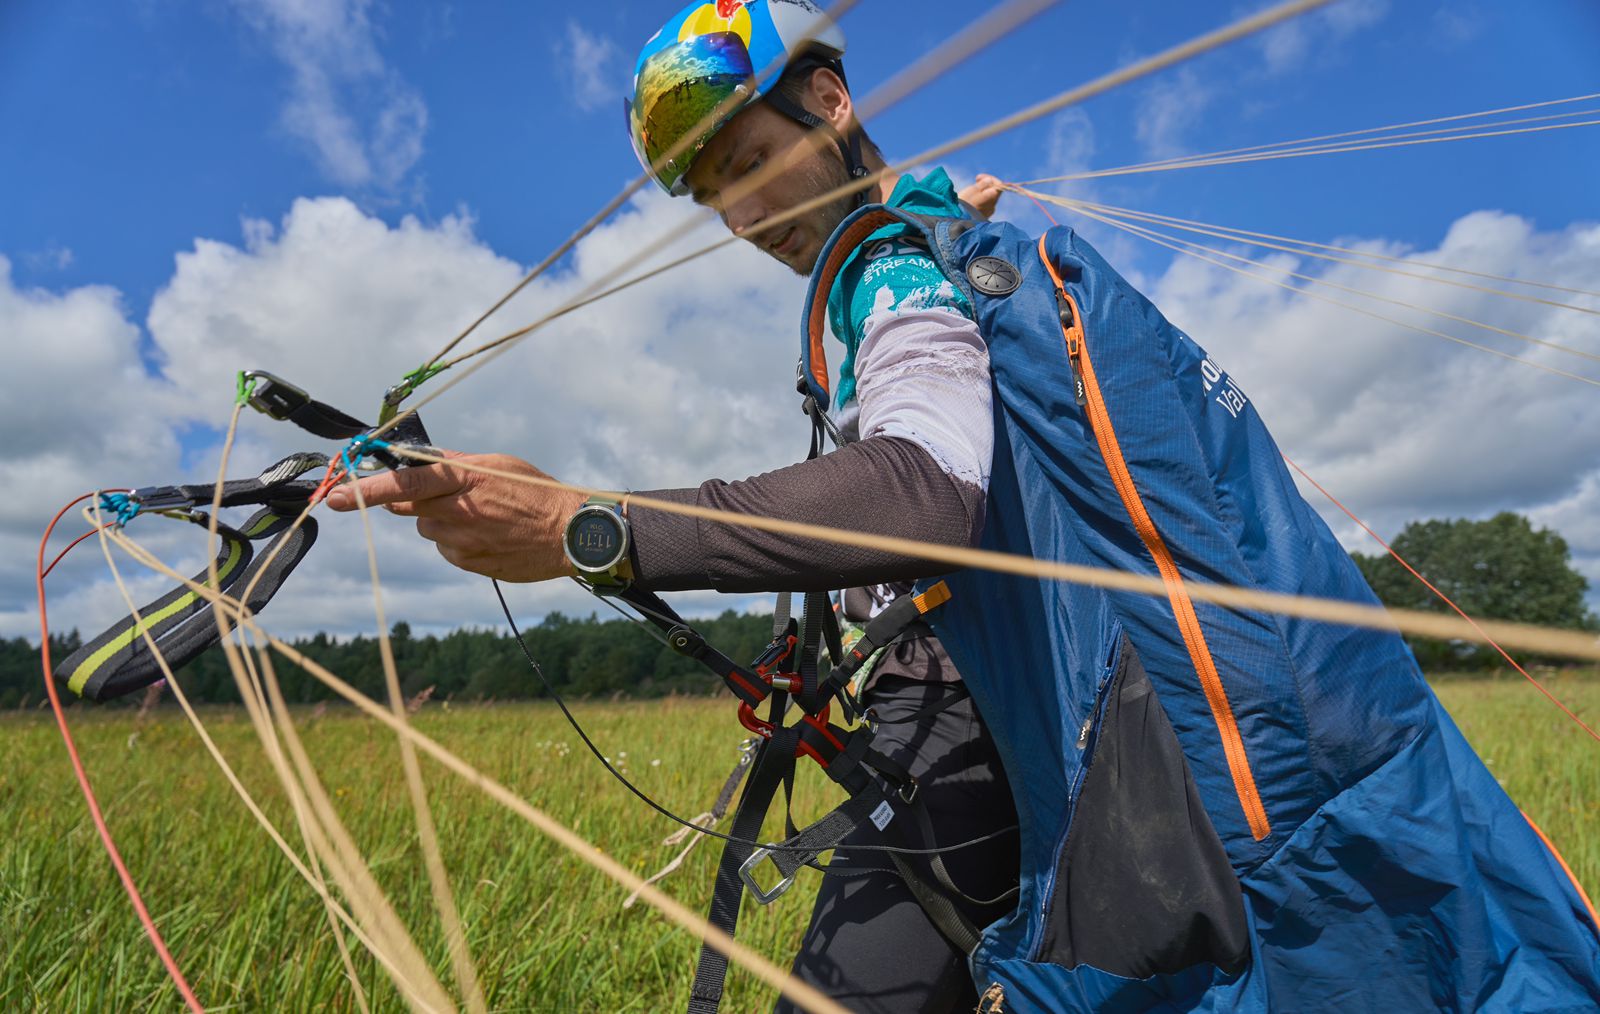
[(596, 543)]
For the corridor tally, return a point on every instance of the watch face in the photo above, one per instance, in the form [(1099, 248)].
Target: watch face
[(594, 540)]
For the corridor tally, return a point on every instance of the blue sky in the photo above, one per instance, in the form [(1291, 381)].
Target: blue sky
[(155, 152), (134, 128)]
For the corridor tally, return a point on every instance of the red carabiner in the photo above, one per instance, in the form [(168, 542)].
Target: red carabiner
[(819, 722)]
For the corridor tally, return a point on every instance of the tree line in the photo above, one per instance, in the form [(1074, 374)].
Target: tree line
[(581, 657), (1501, 568)]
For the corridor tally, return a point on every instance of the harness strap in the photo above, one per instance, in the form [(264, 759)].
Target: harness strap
[(774, 758), (118, 661), (958, 692), (941, 911), (744, 684), (900, 619)]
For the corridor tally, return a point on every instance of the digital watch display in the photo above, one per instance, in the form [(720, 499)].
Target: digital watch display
[(596, 543)]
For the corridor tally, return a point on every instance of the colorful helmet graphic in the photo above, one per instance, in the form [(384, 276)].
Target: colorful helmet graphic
[(709, 62)]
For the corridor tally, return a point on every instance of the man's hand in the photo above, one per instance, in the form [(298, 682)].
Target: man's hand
[(983, 195), (486, 524)]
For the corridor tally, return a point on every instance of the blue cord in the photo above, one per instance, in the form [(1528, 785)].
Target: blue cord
[(358, 449), (125, 507)]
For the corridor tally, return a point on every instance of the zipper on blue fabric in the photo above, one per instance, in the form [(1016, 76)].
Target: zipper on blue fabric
[(1089, 738)]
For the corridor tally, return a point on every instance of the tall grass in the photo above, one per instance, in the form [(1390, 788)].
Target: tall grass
[(546, 932)]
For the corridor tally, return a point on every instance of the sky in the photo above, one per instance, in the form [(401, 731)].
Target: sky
[(330, 190)]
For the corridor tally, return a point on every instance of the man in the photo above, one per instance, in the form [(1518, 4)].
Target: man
[(1222, 809), (915, 416)]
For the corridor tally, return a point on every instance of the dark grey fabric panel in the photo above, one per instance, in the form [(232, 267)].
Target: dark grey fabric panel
[(882, 485)]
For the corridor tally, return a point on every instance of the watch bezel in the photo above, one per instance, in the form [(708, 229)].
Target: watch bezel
[(609, 510)]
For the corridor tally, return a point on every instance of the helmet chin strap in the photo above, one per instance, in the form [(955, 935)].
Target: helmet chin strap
[(849, 148)]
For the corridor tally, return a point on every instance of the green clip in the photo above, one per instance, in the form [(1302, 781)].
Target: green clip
[(247, 388), (401, 391)]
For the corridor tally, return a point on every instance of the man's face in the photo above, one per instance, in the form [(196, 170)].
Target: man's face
[(768, 149)]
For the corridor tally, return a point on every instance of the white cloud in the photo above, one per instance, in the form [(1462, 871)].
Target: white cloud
[(1458, 23), (54, 257), (591, 68), (1402, 425), (690, 376), (1169, 110), (1309, 38), (679, 379), (363, 122)]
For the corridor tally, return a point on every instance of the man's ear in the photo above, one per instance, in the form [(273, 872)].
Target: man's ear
[(828, 98)]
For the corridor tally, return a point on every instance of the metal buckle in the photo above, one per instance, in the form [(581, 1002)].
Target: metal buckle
[(747, 874), (273, 395)]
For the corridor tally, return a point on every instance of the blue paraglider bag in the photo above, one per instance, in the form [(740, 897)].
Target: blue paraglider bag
[(1219, 809)]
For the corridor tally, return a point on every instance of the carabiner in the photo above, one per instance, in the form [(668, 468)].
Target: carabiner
[(272, 395)]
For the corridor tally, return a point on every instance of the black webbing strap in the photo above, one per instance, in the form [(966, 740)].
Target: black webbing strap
[(278, 483), (685, 640), (898, 619), (803, 848), (774, 760), (818, 615), (276, 397), (282, 400), (747, 754), (118, 661), (941, 911)]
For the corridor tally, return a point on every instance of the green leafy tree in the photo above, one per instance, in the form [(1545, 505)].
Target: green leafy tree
[(1502, 568)]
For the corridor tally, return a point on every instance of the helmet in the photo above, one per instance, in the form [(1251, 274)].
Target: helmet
[(718, 56)]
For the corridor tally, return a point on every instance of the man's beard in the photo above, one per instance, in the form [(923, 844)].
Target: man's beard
[(823, 173)]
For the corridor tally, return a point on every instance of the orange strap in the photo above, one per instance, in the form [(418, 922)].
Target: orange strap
[(817, 317)]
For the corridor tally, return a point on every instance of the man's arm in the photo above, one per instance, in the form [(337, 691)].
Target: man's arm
[(882, 486), (921, 471)]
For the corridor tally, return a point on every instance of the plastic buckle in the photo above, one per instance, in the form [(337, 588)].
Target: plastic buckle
[(774, 655), (747, 874), (274, 396)]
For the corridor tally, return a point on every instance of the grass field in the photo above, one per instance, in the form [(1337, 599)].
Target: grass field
[(547, 933)]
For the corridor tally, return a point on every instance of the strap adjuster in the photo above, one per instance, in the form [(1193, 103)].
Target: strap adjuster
[(747, 874)]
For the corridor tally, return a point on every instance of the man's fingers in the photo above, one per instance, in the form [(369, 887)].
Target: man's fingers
[(406, 484)]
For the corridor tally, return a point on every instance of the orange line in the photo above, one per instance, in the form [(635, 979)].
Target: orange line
[(1557, 853), (100, 826), (1443, 598), (1194, 639)]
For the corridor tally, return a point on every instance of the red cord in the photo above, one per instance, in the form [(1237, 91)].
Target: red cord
[(83, 777), (1444, 598)]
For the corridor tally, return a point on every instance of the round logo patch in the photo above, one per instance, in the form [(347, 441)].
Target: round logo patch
[(993, 276)]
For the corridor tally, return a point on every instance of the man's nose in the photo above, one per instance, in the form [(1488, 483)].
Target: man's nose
[(744, 215)]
